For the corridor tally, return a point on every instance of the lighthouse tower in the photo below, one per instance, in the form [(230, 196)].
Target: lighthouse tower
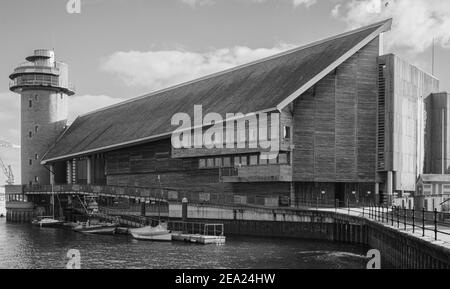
[(43, 85)]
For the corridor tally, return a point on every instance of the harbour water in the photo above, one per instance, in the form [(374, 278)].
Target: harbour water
[(28, 247)]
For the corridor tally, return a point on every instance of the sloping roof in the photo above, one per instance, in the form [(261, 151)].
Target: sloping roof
[(265, 85)]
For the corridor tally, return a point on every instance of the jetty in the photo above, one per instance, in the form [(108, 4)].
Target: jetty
[(184, 231)]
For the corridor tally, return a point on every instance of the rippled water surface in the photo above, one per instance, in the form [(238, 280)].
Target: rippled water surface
[(25, 246)]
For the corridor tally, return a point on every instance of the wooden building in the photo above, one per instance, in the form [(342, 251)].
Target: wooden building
[(348, 130)]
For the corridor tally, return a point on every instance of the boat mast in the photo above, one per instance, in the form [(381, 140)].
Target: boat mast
[(53, 197), (159, 201)]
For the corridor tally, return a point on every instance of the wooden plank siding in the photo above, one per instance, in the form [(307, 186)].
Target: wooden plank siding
[(140, 166), (335, 123)]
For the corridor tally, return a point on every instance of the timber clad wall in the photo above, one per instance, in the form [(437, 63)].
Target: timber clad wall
[(140, 166), (335, 123)]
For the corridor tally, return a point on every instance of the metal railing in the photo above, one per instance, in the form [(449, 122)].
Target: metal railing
[(401, 218)]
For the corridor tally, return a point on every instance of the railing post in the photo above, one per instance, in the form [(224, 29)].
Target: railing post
[(404, 217), (423, 221), (398, 217), (363, 210), (435, 224), (414, 219), (392, 215)]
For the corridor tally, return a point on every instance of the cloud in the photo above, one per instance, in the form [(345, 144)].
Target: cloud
[(416, 22), (159, 69), (10, 117), (295, 3), (307, 3), (79, 105), (194, 3)]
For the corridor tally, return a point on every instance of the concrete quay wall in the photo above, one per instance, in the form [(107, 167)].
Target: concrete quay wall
[(398, 249)]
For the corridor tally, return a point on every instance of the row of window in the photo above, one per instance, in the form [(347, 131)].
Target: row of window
[(245, 160), (16, 198)]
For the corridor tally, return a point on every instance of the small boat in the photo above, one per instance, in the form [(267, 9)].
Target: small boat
[(149, 233), (47, 222), (2, 216), (96, 227)]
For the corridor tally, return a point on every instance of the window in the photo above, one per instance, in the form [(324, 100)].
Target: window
[(36, 97), (254, 160), (283, 158), (202, 163), (30, 162), (30, 134), (36, 128), (262, 161), (227, 162), (273, 161), (210, 163), (244, 160), (36, 179), (218, 162), (36, 156), (287, 132), (30, 103), (237, 161)]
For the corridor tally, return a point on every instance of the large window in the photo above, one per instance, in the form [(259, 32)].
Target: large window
[(242, 160)]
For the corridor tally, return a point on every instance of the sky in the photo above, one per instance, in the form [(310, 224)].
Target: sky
[(120, 49)]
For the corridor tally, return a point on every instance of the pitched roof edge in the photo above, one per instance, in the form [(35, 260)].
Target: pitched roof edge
[(384, 28)]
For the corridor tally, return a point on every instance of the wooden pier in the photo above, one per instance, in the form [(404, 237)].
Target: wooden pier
[(197, 238)]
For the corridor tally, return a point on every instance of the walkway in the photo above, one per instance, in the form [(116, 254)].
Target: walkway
[(385, 219)]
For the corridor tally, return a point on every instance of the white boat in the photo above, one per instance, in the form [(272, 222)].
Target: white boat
[(47, 222), (96, 227), (149, 233)]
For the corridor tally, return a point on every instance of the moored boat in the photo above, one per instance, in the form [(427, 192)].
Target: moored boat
[(96, 227), (47, 222), (149, 233)]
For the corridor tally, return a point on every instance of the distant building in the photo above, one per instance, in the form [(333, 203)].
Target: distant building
[(356, 126), (433, 192)]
